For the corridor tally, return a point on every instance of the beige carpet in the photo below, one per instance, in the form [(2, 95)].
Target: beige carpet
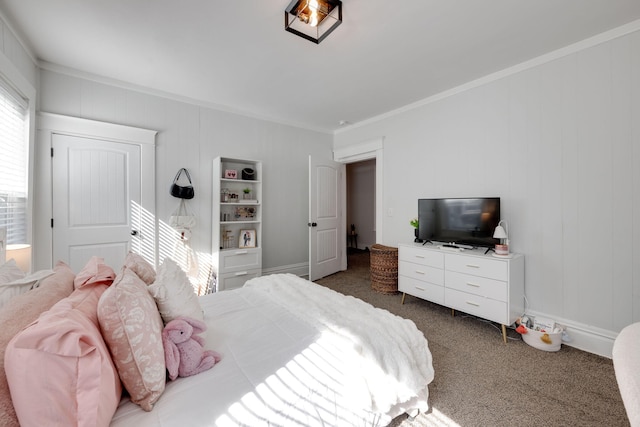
[(480, 381)]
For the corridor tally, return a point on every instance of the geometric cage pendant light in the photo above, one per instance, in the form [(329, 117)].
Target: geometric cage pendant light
[(313, 20)]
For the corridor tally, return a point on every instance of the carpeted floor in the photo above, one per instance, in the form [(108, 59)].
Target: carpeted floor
[(480, 381)]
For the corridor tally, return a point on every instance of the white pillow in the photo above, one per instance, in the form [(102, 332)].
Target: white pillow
[(174, 294), (21, 284), (9, 271)]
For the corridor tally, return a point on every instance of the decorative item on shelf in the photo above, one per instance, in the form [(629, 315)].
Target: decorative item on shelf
[(313, 19), (247, 239), (179, 191), (502, 249), (414, 223), (233, 197), (224, 195), (246, 191), (243, 213), (227, 239), (248, 174), (231, 174)]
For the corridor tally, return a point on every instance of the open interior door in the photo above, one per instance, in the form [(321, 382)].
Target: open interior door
[(327, 229)]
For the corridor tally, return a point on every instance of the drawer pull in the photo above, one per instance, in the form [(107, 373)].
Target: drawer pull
[(473, 284), (420, 272), (241, 273), (472, 303), (241, 252), (420, 256), (419, 288), (473, 266)]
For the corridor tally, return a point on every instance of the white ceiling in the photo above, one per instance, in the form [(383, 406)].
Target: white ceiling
[(235, 54)]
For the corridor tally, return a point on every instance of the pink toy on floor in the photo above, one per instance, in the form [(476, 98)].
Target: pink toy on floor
[(184, 351)]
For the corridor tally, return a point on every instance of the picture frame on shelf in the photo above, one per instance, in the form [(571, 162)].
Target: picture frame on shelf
[(231, 173), (247, 239)]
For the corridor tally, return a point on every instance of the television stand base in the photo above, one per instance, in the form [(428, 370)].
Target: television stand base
[(452, 248)]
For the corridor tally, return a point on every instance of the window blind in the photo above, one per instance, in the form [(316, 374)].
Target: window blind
[(14, 163)]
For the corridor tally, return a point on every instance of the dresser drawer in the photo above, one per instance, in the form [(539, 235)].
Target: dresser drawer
[(490, 288), (486, 308), (477, 266), (420, 289), (239, 259), (421, 272), (421, 256), (235, 280)]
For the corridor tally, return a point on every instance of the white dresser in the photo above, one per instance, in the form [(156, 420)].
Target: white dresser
[(470, 281)]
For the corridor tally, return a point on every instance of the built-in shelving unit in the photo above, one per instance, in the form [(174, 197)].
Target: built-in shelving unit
[(236, 221)]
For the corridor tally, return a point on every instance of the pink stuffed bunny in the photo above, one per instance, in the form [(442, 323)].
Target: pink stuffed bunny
[(184, 351)]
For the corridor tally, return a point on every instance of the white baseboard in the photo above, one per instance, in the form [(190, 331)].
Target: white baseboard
[(301, 269), (584, 337)]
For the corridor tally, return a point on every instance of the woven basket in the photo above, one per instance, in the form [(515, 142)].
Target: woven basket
[(384, 269)]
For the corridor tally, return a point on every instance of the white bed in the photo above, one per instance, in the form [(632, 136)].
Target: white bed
[(296, 354)]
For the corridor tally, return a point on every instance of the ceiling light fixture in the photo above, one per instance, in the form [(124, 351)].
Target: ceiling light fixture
[(313, 20)]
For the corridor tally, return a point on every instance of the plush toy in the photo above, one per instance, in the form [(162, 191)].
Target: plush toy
[(184, 351)]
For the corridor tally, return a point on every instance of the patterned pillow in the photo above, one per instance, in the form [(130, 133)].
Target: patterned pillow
[(141, 267), (174, 294), (132, 329)]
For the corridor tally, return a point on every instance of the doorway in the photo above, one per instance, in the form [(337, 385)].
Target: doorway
[(360, 209)]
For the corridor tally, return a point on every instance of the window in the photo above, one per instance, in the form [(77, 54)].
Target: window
[(14, 164)]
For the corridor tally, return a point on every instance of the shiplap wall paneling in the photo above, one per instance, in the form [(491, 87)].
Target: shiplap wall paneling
[(549, 176), (634, 229), (622, 179), (595, 198)]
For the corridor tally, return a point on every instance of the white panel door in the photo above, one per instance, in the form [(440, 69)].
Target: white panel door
[(96, 186), (326, 223)]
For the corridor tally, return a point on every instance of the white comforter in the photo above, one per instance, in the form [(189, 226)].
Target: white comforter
[(296, 354)]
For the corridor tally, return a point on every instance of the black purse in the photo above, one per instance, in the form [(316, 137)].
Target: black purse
[(248, 174), (182, 192)]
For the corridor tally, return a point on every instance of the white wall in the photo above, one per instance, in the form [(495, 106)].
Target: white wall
[(559, 142), (192, 136)]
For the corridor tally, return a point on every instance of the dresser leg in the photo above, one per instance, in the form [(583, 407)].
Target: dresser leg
[(404, 294), (504, 333), (453, 312)]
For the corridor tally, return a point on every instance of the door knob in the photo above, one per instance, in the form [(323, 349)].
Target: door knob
[(134, 232), (312, 224)]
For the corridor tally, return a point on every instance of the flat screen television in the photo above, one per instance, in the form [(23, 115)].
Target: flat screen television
[(461, 221)]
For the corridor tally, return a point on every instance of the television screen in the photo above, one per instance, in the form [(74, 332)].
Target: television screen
[(464, 221)]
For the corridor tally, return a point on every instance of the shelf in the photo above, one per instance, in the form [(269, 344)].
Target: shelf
[(238, 249), (248, 203), (239, 222), (246, 181)]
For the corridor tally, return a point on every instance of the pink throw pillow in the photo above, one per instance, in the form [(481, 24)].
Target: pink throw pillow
[(141, 267), (59, 368), (22, 311), (132, 328), (94, 272)]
